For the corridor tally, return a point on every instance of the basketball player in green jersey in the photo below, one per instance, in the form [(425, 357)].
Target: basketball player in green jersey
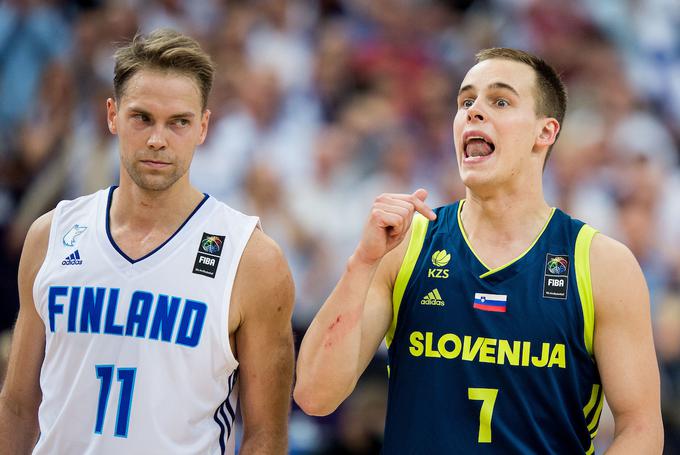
[(537, 354)]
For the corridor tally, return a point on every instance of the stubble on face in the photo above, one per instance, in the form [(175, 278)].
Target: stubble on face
[(156, 150), (152, 181)]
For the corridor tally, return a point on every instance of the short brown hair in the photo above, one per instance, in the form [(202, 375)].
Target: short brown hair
[(551, 93), (164, 50)]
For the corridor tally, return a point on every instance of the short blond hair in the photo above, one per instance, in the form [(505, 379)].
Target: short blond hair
[(551, 93), (164, 50)]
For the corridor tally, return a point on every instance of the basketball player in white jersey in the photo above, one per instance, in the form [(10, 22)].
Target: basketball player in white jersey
[(147, 309)]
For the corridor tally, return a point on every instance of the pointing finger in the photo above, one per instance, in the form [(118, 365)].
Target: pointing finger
[(421, 193), (418, 199)]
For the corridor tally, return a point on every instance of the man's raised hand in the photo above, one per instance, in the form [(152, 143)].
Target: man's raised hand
[(388, 223)]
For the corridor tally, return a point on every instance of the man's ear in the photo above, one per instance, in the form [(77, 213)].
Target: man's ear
[(111, 114), (548, 133), (205, 119)]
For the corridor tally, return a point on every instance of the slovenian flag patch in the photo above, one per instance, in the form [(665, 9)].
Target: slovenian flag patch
[(490, 302)]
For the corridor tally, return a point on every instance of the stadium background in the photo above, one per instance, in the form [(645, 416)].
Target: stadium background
[(319, 106)]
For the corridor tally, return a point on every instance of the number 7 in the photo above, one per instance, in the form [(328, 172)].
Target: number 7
[(488, 398)]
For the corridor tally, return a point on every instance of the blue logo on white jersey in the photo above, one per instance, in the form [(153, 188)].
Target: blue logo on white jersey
[(72, 235), (72, 259)]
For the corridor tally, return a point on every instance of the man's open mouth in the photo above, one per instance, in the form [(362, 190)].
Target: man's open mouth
[(478, 146)]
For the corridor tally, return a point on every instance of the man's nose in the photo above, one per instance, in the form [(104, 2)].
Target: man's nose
[(156, 140), (475, 113)]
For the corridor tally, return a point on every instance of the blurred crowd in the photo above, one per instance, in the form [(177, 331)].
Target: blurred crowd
[(319, 106)]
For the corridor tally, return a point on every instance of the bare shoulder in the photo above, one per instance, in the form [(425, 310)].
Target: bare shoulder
[(617, 279), (263, 277), (36, 243), (263, 262), (39, 231), (612, 260)]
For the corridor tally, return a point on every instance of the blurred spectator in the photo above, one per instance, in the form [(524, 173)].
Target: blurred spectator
[(41, 138), (264, 125), (328, 204), (32, 35), (265, 195), (278, 43), (334, 80), (360, 421), (187, 16), (576, 180)]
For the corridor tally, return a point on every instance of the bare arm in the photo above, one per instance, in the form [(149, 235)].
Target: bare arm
[(624, 348), (21, 394), (264, 294), (347, 331)]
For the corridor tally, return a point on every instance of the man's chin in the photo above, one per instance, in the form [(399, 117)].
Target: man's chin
[(477, 181), (154, 183)]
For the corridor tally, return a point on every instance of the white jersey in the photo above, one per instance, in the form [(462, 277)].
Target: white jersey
[(137, 355)]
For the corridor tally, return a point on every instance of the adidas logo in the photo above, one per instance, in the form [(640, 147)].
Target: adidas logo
[(72, 259), (432, 298)]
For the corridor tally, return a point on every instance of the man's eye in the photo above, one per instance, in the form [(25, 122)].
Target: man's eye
[(182, 122), (502, 103), (467, 103)]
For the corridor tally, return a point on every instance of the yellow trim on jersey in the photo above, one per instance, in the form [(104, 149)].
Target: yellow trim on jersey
[(591, 450), (596, 401), (594, 395), (585, 286), (592, 426), (415, 244), (498, 269)]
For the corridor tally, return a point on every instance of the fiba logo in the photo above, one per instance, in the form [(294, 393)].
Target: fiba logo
[(212, 244), (208, 255), (557, 265), (556, 277)]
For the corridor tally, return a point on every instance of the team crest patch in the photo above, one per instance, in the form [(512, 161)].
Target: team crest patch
[(556, 277), (208, 256), (71, 237), (440, 259)]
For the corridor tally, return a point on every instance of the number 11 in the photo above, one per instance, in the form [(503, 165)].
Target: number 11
[(126, 377)]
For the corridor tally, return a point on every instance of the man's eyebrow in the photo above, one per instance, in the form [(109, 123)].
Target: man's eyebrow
[(465, 88), (503, 85), (140, 110), (183, 114), (495, 85)]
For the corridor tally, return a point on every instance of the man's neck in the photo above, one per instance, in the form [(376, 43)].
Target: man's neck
[(500, 227), (136, 209)]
